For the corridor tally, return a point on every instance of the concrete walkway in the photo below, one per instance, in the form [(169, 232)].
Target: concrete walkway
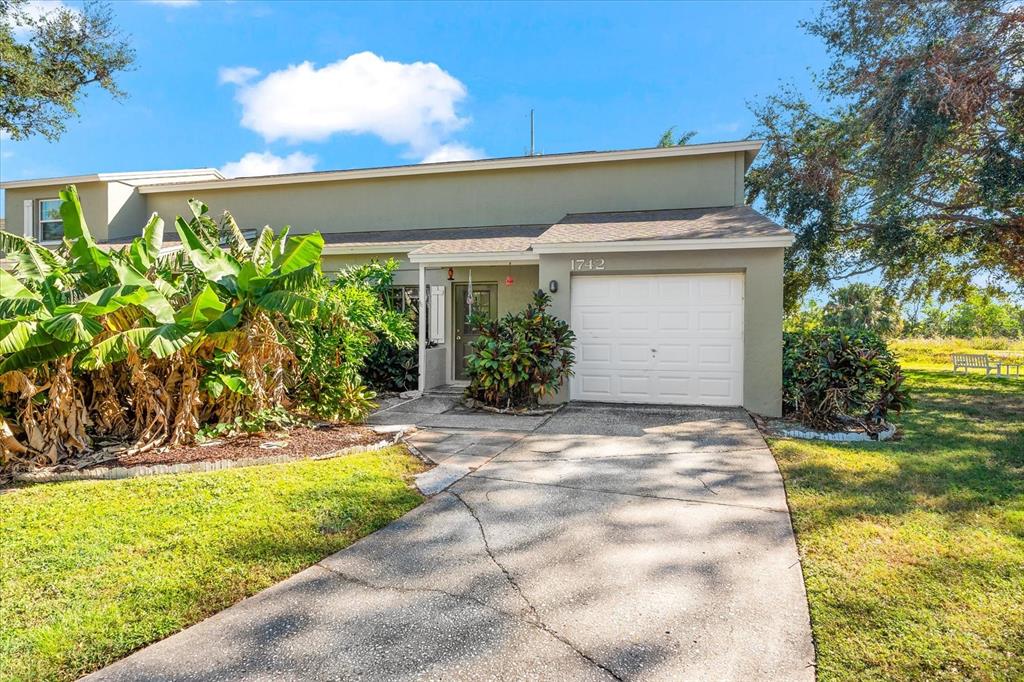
[(606, 543)]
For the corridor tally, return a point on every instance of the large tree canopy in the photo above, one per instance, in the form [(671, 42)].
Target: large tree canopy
[(48, 58), (914, 167)]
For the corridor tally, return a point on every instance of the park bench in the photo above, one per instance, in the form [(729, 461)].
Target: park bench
[(966, 361)]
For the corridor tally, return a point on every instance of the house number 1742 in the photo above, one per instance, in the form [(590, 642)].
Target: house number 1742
[(586, 264)]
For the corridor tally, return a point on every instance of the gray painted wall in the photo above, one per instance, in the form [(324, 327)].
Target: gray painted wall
[(762, 323), (500, 197), (93, 196)]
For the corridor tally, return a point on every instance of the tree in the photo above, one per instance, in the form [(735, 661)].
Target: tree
[(48, 60), (916, 168), (668, 141), (863, 306)]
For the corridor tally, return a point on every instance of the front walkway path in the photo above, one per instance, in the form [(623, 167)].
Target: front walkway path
[(608, 543)]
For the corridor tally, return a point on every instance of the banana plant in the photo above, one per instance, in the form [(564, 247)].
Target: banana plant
[(270, 278)]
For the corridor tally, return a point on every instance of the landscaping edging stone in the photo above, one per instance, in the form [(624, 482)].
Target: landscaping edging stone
[(394, 436), (474, 404), (838, 436)]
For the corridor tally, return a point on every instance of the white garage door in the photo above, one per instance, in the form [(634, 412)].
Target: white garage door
[(659, 339)]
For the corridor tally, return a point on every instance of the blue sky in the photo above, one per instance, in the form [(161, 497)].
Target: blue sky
[(322, 85)]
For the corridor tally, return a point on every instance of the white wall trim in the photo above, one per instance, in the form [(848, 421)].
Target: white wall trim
[(751, 146), (667, 245)]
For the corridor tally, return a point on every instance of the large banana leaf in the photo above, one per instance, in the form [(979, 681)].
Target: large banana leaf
[(106, 301), (216, 265), (299, 252), (167, 339), (72, 328), (227, 321), (16, 335), (293, 306), (35, 356), (153, 235), (115, 347), (235, 233), (15, 298), (155, 301), (262, 250), (205, 307), (83, 247)]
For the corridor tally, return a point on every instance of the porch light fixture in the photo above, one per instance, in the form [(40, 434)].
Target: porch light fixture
[(553, 286), (451, 274)]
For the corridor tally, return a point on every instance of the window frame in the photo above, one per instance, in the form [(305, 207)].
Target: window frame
[(38, 228)]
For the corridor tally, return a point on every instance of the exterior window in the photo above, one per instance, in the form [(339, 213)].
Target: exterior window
[(51, 226), (407, 300)]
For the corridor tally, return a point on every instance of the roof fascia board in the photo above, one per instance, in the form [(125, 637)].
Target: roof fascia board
[(667, 245), (463, 166), (336, 249), (479, 258), (106, 177)]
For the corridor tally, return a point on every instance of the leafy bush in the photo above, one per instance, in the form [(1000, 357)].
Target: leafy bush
[(520, 358), (393, 369), (833, 377), (332, 347)]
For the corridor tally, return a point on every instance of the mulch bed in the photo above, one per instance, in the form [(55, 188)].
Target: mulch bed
[(301, 441)]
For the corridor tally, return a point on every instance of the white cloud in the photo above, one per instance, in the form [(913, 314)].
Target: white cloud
[(35, 10), (453, 151), (236, 75), (267, 163), (172, 3), (408, 104)]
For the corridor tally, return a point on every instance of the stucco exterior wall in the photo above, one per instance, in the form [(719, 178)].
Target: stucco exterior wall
[(762, 322), (500, 197), (93, 196), (126, 212)]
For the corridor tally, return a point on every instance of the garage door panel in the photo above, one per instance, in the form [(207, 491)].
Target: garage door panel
[(659, 338)]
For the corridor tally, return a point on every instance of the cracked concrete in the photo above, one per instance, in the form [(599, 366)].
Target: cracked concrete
[(610, 543)]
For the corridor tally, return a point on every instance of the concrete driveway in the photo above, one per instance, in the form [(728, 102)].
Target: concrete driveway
[(602, 543)]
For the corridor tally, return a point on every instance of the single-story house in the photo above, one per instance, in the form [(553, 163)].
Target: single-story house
[(671, 283)]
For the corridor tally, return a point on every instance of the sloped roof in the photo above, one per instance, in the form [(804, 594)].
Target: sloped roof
[(682, 223), (443, 240)]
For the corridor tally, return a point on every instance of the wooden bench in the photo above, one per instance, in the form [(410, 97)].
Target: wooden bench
[(966, 361)]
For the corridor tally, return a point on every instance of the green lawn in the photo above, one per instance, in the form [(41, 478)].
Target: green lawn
[(913, 552), (93, 570)]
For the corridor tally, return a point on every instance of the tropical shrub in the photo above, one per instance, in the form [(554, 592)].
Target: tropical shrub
[(333, 345), (519, 359), (140, 345), (835, 377), (392, 369)]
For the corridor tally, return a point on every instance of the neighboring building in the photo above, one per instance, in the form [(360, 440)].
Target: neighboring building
[(672, 285)]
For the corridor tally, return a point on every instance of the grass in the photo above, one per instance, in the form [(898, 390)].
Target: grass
[(920, 352), (93, 570), (913, 551)]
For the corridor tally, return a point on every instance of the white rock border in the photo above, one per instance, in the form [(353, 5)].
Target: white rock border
[(838, 436), (116, 473)]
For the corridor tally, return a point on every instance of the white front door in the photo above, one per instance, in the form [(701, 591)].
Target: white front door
[(670, 339)]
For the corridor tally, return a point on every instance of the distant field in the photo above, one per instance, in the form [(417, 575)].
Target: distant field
[(917, 352)]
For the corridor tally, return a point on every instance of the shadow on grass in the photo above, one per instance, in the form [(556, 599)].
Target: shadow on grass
[(962, 452)]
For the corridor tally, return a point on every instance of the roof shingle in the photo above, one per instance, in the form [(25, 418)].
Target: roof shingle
[(680, 223)]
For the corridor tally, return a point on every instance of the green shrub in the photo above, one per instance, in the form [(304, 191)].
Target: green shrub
[(332, 347), (392, 369), (833, 377), (520, 358)]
